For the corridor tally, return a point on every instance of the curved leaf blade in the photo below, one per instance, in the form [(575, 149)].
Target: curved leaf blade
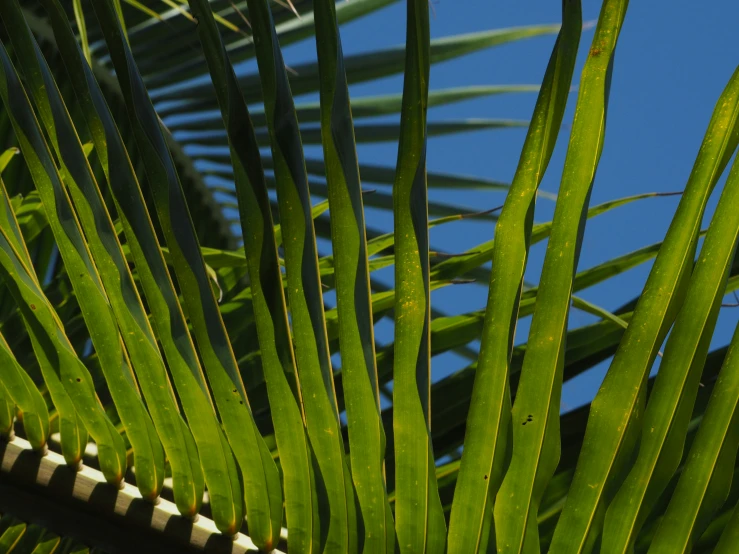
[(420, 525), (535, 413), (24, 394), (162, 298), (334, 515), (617, 408), (43, 323), (94, 301), (352, 282), (672, 398), (706, 478), (487, 438)]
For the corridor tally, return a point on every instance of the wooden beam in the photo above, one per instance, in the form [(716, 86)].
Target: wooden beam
[(43, 489)]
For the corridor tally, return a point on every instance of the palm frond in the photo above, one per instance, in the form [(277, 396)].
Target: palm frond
[(284, 371)]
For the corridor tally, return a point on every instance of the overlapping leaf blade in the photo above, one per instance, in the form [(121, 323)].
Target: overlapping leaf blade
[(162, 299), (252, 283), (671, 401), (535, 412), (68, 380), (213, 343), (290, 29), (19, 389), (728, 541), (373, 65), (94, 302), (617, 408), (420, 525), (487, 439), (271, 316), (336, 519), (356, 333), (18, 385), (52, 347), (706, 478)]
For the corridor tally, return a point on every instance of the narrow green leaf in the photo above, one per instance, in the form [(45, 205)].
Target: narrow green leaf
[(47, 544), (384, 201), (9, 219), (181, 66), (671, 401), (93, 300), (6, 156), (30, 540), (73, 433), (462, 264), (386, 176), (334, 516), (356, 336), (615, 416), (12, 535), (368, 106), (375, 64), (202, 307), (283, 385), (487, 437), (60, 364), (730, 536), (420, 524), (44, 325), (375, 106), (79, 18), (593, 309), (535, 412), (706, 478), (119, 13), (613, 267), (23, 393), (365, 133), (31, 216), (7, 413), (161, 296)]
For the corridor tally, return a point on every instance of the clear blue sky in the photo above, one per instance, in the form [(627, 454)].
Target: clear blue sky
[(673, 60)]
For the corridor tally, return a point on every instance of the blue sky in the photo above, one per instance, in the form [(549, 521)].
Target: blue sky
[(672, 62)]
